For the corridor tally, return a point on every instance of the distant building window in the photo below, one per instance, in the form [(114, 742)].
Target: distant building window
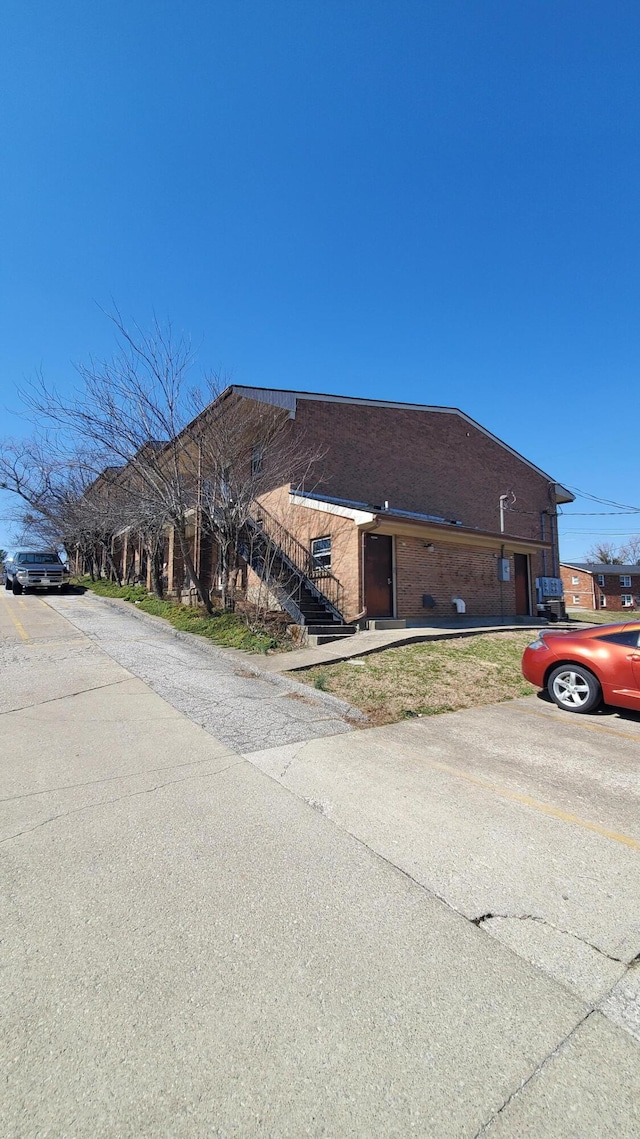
[(321, 553), (627, 600), (601, 579), (625, 580), (603, 601), (576, 599), (257, 458), (575, 580)]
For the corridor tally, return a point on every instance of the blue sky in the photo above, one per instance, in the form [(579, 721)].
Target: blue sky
[(434, 202)]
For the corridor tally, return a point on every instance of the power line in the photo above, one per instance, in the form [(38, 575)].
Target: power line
[(623, 506)]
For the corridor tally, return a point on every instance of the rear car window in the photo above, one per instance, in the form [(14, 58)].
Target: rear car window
[(628, 637)]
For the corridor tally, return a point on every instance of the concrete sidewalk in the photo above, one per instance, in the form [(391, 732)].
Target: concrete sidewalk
[(191, 949), (376, 640)]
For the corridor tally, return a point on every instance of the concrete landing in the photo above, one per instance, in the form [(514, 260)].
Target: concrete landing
[(375, 641)]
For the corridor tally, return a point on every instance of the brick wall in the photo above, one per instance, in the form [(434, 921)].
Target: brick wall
[(613, 590), (431, 462), (450, 571), (305, 524), (582, 589)]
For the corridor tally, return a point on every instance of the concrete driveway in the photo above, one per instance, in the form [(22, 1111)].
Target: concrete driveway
[(297, 941), (524, 818)]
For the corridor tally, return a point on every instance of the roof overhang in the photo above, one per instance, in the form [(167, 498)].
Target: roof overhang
[(562, 494), (384, 522)]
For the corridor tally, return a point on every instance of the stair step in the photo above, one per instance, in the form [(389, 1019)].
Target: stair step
[(315, 642), (330, 630)]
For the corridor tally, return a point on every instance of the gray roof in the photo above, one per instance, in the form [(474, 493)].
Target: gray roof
[(602, 567)]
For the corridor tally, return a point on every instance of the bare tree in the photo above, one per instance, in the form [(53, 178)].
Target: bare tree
[(604, 553), (630, 551), (187, 457)]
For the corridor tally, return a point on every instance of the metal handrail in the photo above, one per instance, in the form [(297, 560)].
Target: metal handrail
[(317, 578)]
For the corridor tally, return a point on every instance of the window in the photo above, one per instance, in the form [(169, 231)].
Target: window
[(257, 458), (625, 580), (576, 599), (603, 601), (601, 579), (630, 639), (321, 553), (627, 600), (575, 579)]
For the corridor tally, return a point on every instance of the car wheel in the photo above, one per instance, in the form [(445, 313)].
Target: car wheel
[(574, 688), (16, 587), (7, 583)]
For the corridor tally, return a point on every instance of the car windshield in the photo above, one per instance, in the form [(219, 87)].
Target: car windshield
[(46, 557)]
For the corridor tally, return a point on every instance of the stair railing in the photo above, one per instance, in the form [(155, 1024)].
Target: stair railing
[(317, 578)]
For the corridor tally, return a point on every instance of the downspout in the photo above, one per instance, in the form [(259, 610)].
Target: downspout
[(543, 532)]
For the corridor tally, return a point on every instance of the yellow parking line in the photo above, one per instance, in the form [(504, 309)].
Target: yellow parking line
[(544, 808), (580, 723), (18, 624)]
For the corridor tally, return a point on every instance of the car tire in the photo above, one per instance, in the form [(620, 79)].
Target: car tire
[(16, 587), (7, 583), (574, 689)]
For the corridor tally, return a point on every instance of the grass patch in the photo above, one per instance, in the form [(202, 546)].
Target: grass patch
[(226, 629), (429, 678), (602, 616)]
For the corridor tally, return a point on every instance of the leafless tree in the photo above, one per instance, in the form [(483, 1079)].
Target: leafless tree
[(187, 456), (630, 551), (604, 553)]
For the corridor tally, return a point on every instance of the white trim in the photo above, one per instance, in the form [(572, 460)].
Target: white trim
[(280, 397), (360, 517)]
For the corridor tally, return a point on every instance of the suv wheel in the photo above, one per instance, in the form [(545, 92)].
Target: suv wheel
[(16, 587), (7, 583), (574, 688)]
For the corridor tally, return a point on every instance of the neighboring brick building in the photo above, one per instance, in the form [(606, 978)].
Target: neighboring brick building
[(407, 511), (601, 586)]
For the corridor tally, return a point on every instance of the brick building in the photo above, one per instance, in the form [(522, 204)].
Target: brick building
[(601, 586), (405, 511)]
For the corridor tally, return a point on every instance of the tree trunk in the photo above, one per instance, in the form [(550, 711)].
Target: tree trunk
[(191, 569), (157, 584), (112, 565)]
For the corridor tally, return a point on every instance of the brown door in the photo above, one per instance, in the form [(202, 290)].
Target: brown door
[(378, 575), (521, 573)]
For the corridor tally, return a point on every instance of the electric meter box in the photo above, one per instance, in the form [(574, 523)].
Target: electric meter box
[(504, 569)]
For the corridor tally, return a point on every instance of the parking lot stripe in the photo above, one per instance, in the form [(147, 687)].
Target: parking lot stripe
[(536, 805), (18, 624), (581, 724)]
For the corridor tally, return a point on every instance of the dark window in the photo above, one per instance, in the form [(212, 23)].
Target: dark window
[(321, 553), (47, 557), (628, 637), (257, 458)]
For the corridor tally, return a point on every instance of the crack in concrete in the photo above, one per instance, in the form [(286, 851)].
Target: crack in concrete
[(543, 921), (119, 799), (67, 696), (524, 1083), (293, 759), (107, 779)]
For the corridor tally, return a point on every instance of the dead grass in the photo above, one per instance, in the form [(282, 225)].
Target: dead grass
[(603, 616), (429, 678)]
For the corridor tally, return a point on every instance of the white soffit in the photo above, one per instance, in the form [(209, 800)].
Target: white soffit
[(360, 517)]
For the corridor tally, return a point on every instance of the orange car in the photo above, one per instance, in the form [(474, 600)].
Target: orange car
[(582, 668)]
